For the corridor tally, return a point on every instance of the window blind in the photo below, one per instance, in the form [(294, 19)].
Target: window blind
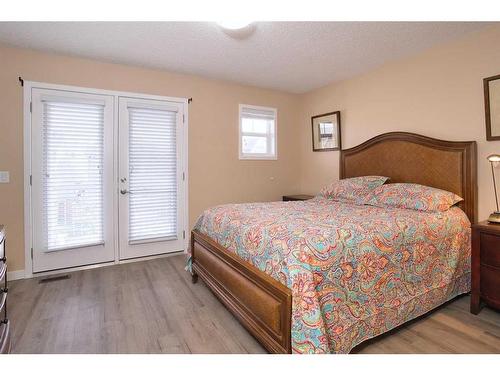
[(257, 113), (72, 181), (152, 174)]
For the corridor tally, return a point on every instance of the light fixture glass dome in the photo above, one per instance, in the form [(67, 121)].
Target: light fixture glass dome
[(234, 24)]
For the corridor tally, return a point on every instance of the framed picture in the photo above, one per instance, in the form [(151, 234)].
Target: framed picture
[(326, 131), (492, 107)]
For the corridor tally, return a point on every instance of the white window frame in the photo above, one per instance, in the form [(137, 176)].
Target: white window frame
[(268, 156), (27, 120)]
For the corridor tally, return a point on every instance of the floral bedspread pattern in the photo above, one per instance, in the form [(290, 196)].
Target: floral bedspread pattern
[(355, 271)]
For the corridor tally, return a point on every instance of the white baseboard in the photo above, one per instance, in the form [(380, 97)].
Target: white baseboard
[(15, 275)]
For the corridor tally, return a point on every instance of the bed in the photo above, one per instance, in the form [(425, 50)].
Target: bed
[(321, 277)]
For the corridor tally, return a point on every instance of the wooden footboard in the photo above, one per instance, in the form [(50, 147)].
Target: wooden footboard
[(261, 304)]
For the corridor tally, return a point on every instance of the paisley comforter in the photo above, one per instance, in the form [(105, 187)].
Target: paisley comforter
[(355, 271)]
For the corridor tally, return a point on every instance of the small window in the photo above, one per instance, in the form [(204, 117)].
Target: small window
[(257, 132)]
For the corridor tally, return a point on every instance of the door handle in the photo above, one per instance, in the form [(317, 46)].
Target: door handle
[(124, 191)]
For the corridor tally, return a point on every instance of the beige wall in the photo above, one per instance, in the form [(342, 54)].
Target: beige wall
[(438, 93), (215, 173)]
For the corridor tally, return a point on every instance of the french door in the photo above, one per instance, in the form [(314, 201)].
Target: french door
[(150, 177), (72, 179), (107, 175)]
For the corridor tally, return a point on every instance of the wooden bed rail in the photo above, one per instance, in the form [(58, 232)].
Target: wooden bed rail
[(260, 303)]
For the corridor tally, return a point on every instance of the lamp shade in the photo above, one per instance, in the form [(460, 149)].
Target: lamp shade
[(494, 158)]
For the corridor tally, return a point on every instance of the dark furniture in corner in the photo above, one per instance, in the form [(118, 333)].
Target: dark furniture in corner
[(485, 266), (297, 197), (4, 322)]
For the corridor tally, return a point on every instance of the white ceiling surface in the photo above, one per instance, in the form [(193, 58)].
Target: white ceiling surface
[(290, 56)]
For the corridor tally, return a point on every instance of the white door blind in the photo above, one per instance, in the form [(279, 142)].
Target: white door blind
[(152, 174), (72, 181)]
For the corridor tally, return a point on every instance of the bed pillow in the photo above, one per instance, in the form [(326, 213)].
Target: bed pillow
[(413, 196), (356, 189)]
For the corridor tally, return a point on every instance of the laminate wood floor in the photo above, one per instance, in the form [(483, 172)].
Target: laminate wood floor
[(152, 307)]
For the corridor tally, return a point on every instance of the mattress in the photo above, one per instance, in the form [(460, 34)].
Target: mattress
[(355, 271)]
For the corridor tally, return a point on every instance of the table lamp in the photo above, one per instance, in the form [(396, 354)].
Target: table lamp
[(495, 216)]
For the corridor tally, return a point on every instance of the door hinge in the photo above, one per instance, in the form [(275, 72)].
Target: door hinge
[(31, 180), (31, 253), (31, 107), (183, 176), (183, 119), (183, 234)]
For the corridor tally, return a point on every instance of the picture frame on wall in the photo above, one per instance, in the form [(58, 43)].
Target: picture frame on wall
[(326, 132), (492, 107)]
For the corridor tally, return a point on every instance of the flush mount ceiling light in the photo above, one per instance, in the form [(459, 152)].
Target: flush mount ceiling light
[(234, 24), (238, 29)]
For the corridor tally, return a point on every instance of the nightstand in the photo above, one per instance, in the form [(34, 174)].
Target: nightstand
[(485, 266), (298, 197)]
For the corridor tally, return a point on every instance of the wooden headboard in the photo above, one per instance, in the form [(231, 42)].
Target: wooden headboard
[(408, 157)]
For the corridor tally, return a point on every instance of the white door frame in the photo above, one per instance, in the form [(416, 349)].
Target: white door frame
[(27, 120)]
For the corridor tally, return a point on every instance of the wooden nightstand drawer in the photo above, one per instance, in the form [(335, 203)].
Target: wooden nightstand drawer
[(490, 249), (490, 281)]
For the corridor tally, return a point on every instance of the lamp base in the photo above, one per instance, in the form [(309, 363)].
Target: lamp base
[(494, 218)]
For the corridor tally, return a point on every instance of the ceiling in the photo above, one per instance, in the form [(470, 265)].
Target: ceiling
[(290, 56)]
